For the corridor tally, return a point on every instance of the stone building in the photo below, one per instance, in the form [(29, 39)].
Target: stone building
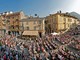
[(59, 22), (33, 26), (12, 21)]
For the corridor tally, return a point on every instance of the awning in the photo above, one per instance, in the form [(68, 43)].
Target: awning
[(30, 33)]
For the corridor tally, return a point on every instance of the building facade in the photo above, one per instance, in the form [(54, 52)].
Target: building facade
[(12, 21), (2, 27), (33, 24), (59, 22)]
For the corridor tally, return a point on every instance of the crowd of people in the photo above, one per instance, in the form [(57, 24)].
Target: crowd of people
[(48, 48), (71, 37)]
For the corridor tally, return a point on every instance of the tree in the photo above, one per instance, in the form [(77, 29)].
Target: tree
[(0, 44)]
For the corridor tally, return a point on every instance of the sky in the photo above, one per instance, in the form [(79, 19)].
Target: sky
[(40, 7)]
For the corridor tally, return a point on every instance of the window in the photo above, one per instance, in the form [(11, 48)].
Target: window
[(13, 22), (39, 27), (8, 17), (39, 22), (27, 23), (27, 28), (8, 21), (69, 20), (34, 27), (68, 25), (64, 19), (17, 26), (13, 27), (46, 22), (34, 22), (17, 20), (12, 17)]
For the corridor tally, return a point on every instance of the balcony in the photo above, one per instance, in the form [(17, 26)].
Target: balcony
[(2, 27), (12, 25), (21, 28), (15, 29), (15, 23), (39, 25), (11, 29)]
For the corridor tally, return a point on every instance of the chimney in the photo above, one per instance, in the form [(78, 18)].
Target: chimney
[(67, 13), (57, 11), (60, 11)]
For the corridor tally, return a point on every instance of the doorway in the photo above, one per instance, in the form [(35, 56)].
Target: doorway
[(9, 32), (40, 34)]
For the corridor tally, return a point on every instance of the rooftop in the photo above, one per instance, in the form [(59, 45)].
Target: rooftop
[(32, 18), (64, 14)]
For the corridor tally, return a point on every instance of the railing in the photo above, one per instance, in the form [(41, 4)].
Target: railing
[(15, 29)]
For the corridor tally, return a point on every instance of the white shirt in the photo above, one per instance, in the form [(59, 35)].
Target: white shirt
[(16, 57)]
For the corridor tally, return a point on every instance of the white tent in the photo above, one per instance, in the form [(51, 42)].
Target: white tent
[(55, 33)]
